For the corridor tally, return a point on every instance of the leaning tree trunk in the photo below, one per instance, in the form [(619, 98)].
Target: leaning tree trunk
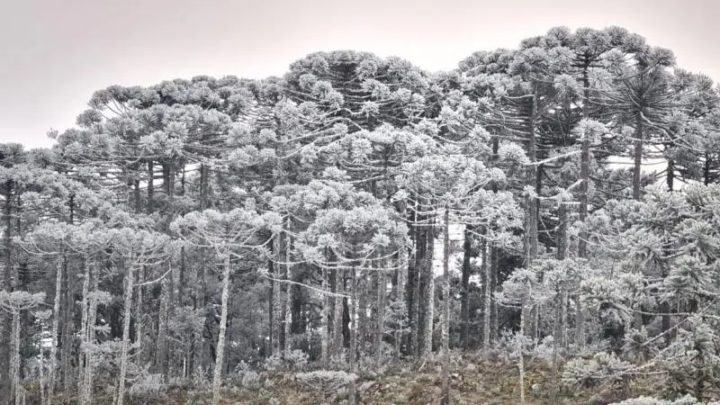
[(217, 375)]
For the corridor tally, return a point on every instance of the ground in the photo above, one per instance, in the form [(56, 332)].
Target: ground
[(474, 381)]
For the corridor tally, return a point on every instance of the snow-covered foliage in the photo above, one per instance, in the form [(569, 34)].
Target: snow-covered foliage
[(298, 224)]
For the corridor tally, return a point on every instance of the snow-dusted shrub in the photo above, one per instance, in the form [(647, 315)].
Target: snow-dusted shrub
[(150, 387), (686, 400), (508, 343), (326, 381), (250, 380), (287, 360), (602, 368), (546, 350)]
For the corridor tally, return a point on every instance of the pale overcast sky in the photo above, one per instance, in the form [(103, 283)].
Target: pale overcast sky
[(55, 53)]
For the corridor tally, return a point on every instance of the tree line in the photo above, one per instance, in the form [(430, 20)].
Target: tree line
[(187, 230)]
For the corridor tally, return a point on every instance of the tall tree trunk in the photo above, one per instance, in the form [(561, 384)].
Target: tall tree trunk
[(706, 169), (380, 316), (416, 282), (68, 330), (15, 389), (55, 330), (5, 284), (400, 295), (161, 355), (637, 155), (521, 348), (220, 356), (353, 334), (287, 311), (428, 295), (561, 242), (125, 344), (337, 284), (87, 395), (579, 325), (271, 300), (150, 187), (140, 316), (487, 295), (84, 310), (531, 233), (446, 310), (324, 314), (584, 165), (465, 304)]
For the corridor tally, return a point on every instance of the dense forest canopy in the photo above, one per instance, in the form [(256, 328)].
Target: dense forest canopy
[(360, 213)]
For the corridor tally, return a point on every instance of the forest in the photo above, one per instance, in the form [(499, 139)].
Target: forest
[(546, 217)]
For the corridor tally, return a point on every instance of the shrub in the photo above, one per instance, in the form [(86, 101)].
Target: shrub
[(325, 381)]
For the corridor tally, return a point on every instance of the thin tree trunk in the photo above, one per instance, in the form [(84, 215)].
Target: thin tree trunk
[(140, 316), (380, 316), (127, 313), (488, 290), (15, 387), (465, 304), (706, 169), (324, 314), (220, 356), (521, 350), (418, 279), (531, 237), (584, 166), (287, 312), (353, 335), (579, 325), (638, 153), (400, 293), (87, 394), (150, 187), (55, 330), (271, 303), (161, 359), (446, 310), (337, 315), (5, 283), (428, 296), (84, 307), (562, 232)]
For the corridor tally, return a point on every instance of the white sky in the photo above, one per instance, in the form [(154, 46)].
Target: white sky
[(55, 53)]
